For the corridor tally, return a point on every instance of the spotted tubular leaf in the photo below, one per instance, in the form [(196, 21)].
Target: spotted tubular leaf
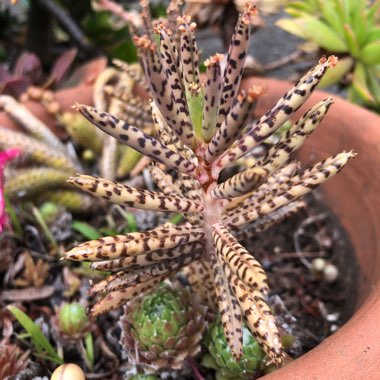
[(268, 221), (233, 124), (173, 70), (258, 317), (241, 262), (275, 117), (229, 310), (190, 71), (131, 197), (119, 246), (237, 54), (137, 139), (130, 278), (298, 186), (114, 300), (144, 259)]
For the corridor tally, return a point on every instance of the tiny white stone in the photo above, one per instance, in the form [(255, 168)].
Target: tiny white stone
[(330, 273), (332, 317), (318, 264)]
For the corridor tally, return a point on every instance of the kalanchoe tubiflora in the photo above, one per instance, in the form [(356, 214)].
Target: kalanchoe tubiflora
[(203, 128)]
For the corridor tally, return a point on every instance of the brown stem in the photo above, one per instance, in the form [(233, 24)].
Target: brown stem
[(67, 23)]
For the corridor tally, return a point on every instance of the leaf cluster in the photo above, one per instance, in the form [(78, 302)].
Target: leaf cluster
[(349, 28)]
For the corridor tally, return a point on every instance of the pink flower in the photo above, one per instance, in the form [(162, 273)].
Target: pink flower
[(5, 156)]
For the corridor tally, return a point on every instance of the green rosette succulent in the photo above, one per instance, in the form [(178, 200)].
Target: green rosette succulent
[(163, 329), (250, 366)]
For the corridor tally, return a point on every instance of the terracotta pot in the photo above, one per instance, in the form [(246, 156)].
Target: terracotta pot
[(66, 98), (82, 93), (353, 352)]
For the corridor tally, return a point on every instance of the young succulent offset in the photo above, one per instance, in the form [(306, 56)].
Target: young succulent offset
[(202, 128), (163, 329), (250, 366)]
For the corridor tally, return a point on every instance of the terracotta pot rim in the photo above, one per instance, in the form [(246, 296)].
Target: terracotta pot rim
[(353, 351)]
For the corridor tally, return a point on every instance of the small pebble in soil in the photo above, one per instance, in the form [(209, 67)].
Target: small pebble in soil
[(68, 372)]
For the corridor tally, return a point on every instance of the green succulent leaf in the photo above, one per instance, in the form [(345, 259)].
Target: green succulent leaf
[(351, 40), (372, 13), (303, 6), (341, 10), (359, 83), (373, 35), (329, 13), (289, 26), (370, 54), (361, 28), (340, 70), (320, 33), (195, 103), (374, 86)]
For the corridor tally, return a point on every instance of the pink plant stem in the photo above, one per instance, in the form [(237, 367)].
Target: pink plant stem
[(195, 369)]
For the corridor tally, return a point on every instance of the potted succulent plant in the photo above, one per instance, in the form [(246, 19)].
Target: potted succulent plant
[(352, 348), (124, 285)]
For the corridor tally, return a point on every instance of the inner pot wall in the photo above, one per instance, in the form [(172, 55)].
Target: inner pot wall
[(353, 352)]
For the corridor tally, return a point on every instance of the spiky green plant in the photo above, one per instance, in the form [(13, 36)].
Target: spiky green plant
[(349, 28), (202, 128)]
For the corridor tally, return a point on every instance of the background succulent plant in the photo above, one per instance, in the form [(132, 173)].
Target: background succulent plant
[(202, 128), (348, 28), (51, 161), (164, 328), (12, 360)]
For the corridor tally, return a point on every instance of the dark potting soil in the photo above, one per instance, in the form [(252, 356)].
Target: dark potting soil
[(310, 304)]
